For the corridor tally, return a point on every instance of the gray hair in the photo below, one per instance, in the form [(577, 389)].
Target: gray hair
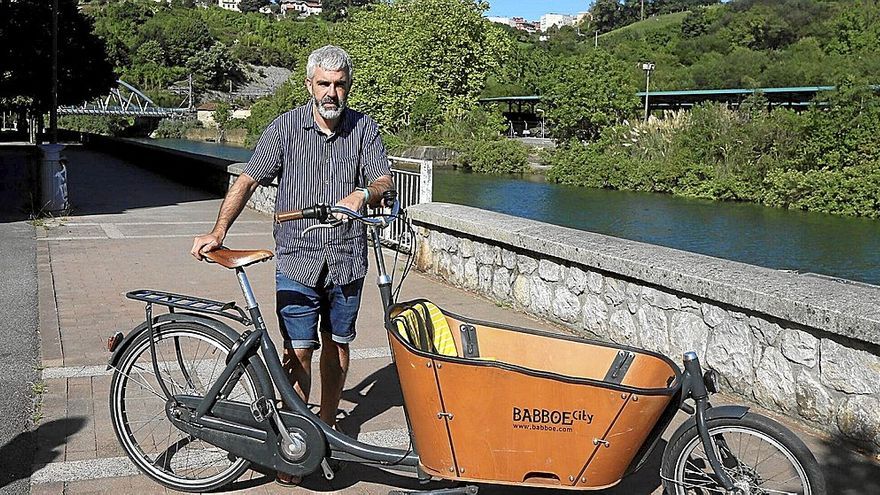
[(329, 58)]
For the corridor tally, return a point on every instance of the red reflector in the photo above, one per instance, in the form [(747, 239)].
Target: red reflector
[(113, 341)]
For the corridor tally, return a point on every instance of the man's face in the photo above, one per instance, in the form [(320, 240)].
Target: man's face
[(329, 88)]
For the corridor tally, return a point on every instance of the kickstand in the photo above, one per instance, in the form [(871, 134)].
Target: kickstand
[(461, 490)]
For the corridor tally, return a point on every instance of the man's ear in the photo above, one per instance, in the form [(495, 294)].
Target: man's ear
[(308, 86)]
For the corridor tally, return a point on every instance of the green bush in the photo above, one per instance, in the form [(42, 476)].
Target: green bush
[(175, 128), (851, 191), (825, 159), (495, 157), (106, 126)]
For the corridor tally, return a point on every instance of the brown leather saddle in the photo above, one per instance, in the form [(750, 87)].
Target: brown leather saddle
[(236, 258)]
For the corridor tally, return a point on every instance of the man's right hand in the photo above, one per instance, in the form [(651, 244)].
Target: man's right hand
[(206, 243)]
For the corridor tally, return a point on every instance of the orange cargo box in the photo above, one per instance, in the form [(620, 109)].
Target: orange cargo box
[(494, 403)]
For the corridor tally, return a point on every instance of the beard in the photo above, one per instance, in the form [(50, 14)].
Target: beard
[(330, 113)]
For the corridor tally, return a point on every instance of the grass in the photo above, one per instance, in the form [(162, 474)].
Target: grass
[(39, 389), (643, 28)]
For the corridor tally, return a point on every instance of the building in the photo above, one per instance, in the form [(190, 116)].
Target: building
[(516, 22), (500, 20), (583, 17), (524, 25), (301, 8), (205, 114), (558, 20), (229, 4)]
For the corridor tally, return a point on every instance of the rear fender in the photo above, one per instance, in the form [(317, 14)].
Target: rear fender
[(259, 367)]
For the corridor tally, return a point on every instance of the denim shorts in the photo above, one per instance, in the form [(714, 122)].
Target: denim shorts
[(301, 309)]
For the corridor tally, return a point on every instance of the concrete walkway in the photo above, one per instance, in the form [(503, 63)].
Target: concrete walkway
[(132, 229)]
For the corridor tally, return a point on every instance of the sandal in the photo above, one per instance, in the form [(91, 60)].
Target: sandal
[(285, 479)]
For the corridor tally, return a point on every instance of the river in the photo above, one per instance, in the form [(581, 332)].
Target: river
[(837, 246)]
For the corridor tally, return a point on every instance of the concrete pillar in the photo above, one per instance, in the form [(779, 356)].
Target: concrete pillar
[(53, 180), (426, 181)]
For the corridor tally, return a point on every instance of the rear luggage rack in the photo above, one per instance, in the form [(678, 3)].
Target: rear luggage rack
[(192, 303)]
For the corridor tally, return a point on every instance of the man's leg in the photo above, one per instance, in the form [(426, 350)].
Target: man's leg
[(297, 307), (334, 368), (298, 365), (338, 318)]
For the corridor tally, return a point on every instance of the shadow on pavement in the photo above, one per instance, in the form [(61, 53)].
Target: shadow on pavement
[(99, 184), (848, 472), (375, 394), (16, 455)]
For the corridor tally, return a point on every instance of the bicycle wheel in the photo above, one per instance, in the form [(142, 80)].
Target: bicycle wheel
[(759, 454), (190, 357)]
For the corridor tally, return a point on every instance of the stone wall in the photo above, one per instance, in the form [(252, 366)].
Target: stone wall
[(805, 346)]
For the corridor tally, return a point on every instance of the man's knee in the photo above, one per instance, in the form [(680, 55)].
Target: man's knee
[(297, 358)]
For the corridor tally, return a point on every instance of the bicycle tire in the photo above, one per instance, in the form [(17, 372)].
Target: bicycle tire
[(775, 448), (137, 407)]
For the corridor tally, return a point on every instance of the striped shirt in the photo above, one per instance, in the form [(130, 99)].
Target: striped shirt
[(312, 167)]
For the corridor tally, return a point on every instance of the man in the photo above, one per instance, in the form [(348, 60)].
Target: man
[(321, 152)]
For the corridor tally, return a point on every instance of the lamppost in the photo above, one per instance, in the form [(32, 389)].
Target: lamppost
[(542, 121), (647, 67)]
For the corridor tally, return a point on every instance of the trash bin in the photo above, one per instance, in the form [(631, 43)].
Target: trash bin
[(53, 180)]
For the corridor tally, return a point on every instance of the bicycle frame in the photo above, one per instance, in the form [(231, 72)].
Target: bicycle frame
[(234, 427)]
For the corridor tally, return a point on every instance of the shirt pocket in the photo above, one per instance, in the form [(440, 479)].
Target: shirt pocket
[(346, 170)]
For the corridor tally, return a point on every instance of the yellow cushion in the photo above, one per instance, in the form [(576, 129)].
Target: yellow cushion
[(443, 342), (428, 316)]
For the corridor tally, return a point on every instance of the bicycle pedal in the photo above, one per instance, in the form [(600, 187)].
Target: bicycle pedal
[(262, 408)]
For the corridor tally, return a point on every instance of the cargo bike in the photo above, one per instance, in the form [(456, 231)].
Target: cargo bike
[(194, 402)]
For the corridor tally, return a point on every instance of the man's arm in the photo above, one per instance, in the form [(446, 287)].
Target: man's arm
[(378, 187), (355, 200), (235, 200)]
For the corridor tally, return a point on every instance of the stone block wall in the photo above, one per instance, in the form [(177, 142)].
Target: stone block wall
[(804, 346)]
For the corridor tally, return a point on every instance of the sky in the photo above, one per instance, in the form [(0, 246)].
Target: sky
[(533, 10)]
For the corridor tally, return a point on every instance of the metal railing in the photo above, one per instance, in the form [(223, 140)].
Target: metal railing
[(414, 180)]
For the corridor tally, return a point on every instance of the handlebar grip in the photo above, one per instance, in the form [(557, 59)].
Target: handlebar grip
[(321, 212), (289, 215)]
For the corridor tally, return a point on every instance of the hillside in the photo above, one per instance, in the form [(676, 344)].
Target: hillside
[(644, 29), (754, 43)]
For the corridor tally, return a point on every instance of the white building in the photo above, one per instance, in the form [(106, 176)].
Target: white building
[(501, 20), (558, 20), (302, 8), (229, 4)]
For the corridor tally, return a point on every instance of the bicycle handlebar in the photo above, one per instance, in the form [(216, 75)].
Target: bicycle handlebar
[(323, 213)]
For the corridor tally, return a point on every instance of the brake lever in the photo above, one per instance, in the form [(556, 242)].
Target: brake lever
[(329, 225)]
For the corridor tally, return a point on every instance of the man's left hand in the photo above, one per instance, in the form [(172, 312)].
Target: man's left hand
[(354, 202)]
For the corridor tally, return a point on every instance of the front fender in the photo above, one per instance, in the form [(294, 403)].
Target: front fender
[(715, 412), (166, 318)]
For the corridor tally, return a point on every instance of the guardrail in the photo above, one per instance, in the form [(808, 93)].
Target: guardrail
[(414, 180)]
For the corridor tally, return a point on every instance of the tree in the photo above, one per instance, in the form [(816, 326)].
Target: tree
[(412, 47), (213, 68), (607, 14), (252, 5), (336, 10), (25, 64), (694, 23), (119, 24), (182, 34), (222, 116), (591, 91)]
